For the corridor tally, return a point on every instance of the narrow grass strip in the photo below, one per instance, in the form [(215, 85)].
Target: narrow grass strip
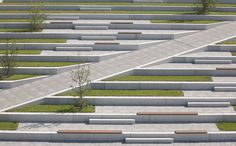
[(15, 20), (14, 30), (18, 77), (228, 43), (163, 78), (46, 64), (24, 51), (127, 93), (8, 125), (226, 126), (186, 21), (35, 40), (53, 108)]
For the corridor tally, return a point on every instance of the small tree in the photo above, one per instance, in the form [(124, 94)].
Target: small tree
[(205, 6), (9, 60), (37, 15), (81, 86)]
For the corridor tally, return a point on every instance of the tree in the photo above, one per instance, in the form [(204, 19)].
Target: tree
[(80, 78), (9, 60), (37, 15), (205, 6)]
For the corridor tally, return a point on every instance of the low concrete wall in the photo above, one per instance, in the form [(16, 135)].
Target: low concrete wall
[(183, 59), (222, 48)]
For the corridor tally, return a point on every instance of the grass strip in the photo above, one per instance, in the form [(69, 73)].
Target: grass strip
[(17, 77), (127, 93), (14, 30), (54, 108), (8, 125), (15, 20), (45, 64), (228, 43), (162, 78), (35, 40), (186, 21), (24, 51), (226, 126)]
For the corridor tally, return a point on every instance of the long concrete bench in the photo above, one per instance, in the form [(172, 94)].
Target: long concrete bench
[(69, 17), (98, 37), (107, 43), (149, 140), (89, 132), (191, 132), (225, 89), (225, 68), (111, 121), (95, 9), (74, 48), (61, 23), (130, 33), (121, 22), (208, 104), (197, 61), (167, 113), (91, 27)]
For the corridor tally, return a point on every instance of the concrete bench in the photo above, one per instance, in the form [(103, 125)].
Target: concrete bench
[(107, 43), (225, 68), (74, 48), (225, 89), (98, 37), (167, 113), (89, 132), (212, 61), (91, 27), (95, 9), (63, 17), (208, 104), (149, 140), (61, 23), (191, 132), (111, 121), (130, 33), (121, 23)]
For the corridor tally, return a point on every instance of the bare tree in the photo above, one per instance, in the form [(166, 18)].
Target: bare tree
[(37, 15), (9, 60), (81, 86), (205, 6)]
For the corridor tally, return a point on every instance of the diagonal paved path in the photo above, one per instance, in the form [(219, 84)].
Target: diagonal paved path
[(105, 68)]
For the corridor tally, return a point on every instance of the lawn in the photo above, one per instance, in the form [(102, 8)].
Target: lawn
[(228, 43), (162, 78), (17, 77), (54, 109), (24, 51), (226, 126), (186, 21), (233, 53), (15, 30), (14, 20), (8, 125), (35, 40), (45, 64), (127, 93)]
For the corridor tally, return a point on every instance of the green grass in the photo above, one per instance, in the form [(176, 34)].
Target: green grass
[(24, 51), (35, 40), (235, 108), (53, 108), (233, 53), (186, 21), (14, 20), (8, 126), (162, 78), (45, 64), (228, 43), (14, 30), (127, 93), (18, 77), (226, 126)]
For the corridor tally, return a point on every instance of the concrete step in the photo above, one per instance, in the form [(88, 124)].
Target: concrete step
[(98, 37), (91, 27), (112, 121), (149, 140), (198, 61), (208, 104), (74, 48), (60, 17), (95, 9), (225, 89)]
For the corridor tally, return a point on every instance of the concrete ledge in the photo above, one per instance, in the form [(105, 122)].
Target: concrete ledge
[(149, 140), (112, 121), (130, 33), (120, 22), (197, 61), (98, 38), (167, 113), (225, 89), (91, 27), (61, 23), (94, 9), (107, 43), (226, 68), (208, 104), (89, 132), (222, 48), (74, 48), (191, 132), (62, 17)]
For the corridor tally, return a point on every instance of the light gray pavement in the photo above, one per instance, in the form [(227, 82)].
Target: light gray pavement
[(80, 53), (118, 64), (190, 65), (125, 128), (208, 54), (208, 94), (135, 109)]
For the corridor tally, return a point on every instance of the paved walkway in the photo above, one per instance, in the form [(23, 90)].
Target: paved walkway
[(105, 68)]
